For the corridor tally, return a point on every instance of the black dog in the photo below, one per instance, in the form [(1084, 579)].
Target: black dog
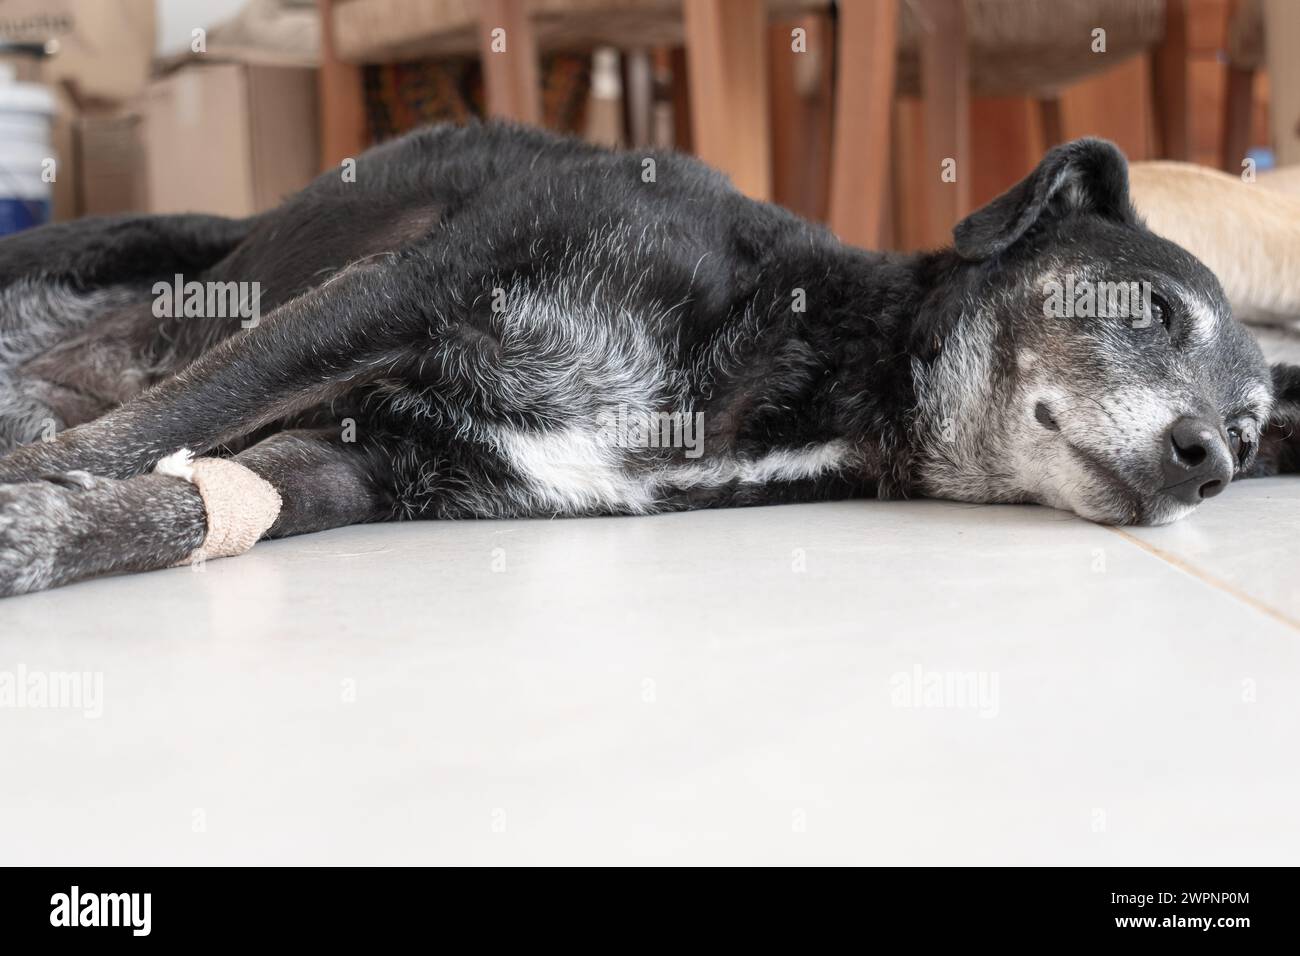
[(491, 321)]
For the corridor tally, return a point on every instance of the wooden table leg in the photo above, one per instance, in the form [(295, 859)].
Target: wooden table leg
[(867, 49), (726, 48), (342, 98), (511, 76)]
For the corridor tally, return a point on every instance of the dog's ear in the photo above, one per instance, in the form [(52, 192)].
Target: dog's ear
[(1087, 175)]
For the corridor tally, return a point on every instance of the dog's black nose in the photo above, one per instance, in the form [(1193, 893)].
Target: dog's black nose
[(1197, 463)]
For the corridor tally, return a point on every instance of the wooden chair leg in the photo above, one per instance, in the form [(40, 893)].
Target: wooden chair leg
[(945, 86), (801, 114), (726, 49), (680, 97), (639, 96), (1169, 84), (508, 49), (1049, 115), (1281, 41), (342, 98), (867, 48), (1006, 142), (1238, 110)]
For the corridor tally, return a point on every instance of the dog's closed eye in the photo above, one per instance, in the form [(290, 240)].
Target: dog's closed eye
[(1160, 313)]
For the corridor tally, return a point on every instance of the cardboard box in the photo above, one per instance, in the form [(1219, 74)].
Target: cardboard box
[(105, 47), (103, 59), (230, 138), (111, 166)]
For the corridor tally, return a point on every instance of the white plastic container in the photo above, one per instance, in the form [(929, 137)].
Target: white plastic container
[(26, 157)]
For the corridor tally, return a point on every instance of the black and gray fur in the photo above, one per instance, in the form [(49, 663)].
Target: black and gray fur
[(447, 337)]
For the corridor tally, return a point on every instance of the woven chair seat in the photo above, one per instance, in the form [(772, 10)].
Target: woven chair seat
[(372, 31), (1034, 47), (1016, 46)]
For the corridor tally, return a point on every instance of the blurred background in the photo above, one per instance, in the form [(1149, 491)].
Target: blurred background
[(887, 119)]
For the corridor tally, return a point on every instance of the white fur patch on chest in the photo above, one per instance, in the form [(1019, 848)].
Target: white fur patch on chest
[(574, 470), (784, 464)]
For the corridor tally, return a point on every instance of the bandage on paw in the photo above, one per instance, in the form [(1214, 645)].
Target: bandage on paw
[(240, 505)]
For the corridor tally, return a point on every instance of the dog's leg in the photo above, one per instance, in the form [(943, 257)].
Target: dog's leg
[(95, 252), (323, 482), (57, 281), (1279, 446), (307, 351), (75, 525)]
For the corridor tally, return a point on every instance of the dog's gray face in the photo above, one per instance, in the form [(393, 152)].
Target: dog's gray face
[(1095, 367)]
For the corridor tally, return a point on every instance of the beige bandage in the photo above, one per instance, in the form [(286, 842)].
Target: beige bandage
[(240, 504)]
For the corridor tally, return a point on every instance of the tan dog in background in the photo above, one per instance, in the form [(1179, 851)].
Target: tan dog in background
[(1248, 233)]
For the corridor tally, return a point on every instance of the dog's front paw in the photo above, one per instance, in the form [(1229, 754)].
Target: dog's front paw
[(32, 516), (71, 525), (37, 519)]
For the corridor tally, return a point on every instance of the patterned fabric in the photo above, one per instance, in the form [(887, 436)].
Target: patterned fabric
[(401, 96)]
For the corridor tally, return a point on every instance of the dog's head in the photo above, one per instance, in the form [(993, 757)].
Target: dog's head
[(1076, 359)]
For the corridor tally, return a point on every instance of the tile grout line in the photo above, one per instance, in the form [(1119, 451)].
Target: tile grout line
[(1206, 577)]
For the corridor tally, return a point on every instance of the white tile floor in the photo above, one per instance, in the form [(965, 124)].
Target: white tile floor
[(919, 682)]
